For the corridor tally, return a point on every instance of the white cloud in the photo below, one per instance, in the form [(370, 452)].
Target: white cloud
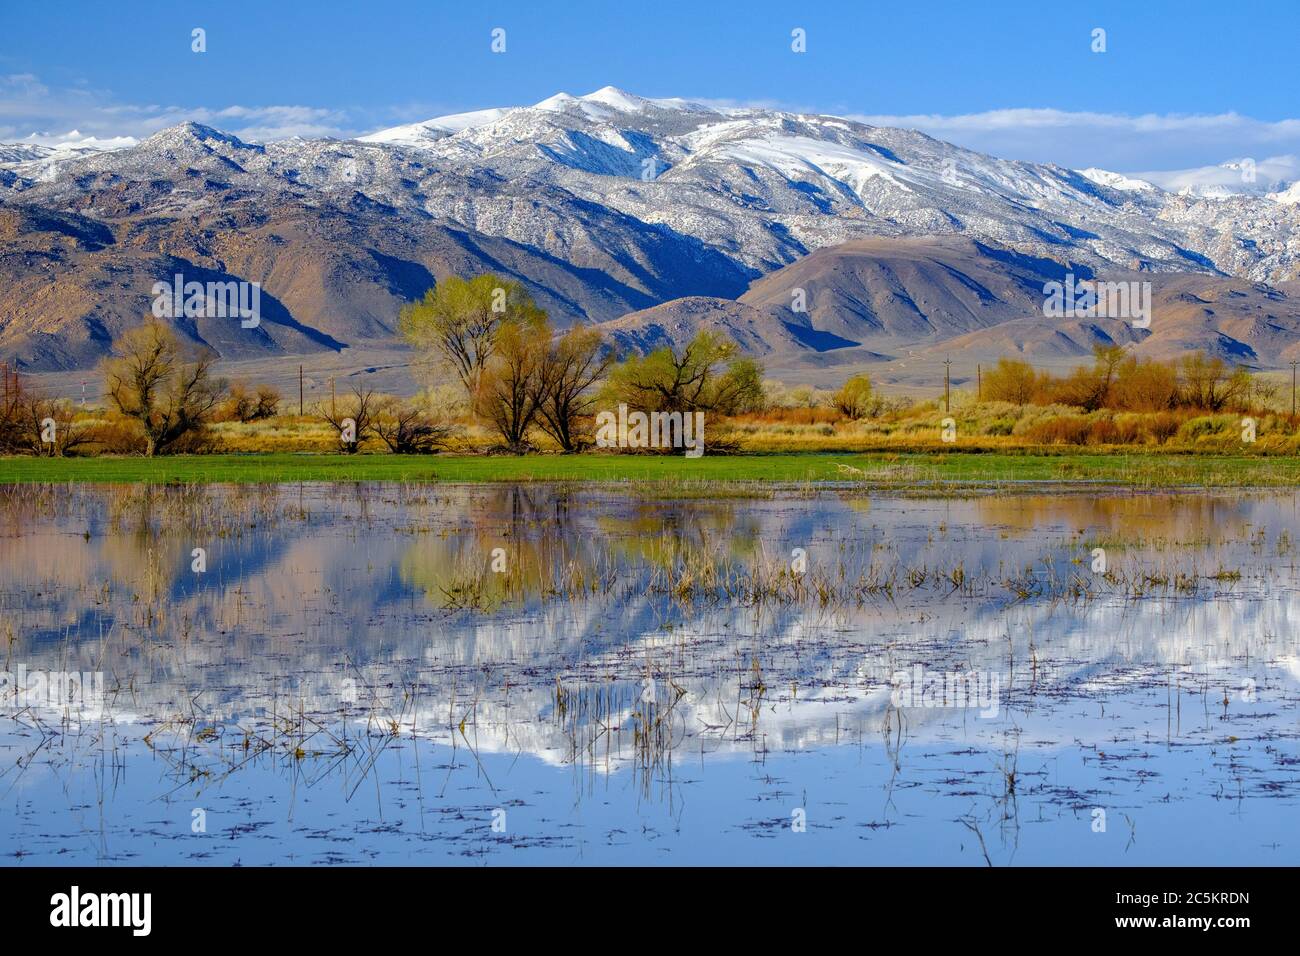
[(1113, 141), (32, 112), (1176, 145), (1239, 175)]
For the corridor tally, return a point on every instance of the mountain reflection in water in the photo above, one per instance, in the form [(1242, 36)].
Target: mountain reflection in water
[(651, 677)]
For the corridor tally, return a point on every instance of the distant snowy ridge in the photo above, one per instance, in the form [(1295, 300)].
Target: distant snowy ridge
[(613, 177)]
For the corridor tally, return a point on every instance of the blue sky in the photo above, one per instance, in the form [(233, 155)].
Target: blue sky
[(1180, 84)]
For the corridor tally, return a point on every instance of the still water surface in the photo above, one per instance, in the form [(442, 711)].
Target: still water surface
[(651, 678)]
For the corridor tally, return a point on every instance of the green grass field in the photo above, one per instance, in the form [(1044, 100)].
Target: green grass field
[(893, 470)]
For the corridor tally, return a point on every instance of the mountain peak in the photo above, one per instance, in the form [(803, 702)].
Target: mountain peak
[(617, 99), (190, 131), (558, 103)]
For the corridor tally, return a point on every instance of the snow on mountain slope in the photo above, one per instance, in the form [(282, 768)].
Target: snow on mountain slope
[(767, 186), (419, 134), (30, 162), (760, 187), (11, 153), (1118, 181), (632, 201), (1289, 196)]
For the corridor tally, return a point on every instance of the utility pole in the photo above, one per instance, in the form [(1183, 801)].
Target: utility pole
[(332, 412), (979, 383), (1294, 363), (299, 391), (947, 364)]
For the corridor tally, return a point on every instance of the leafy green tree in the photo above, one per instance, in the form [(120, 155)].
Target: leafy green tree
[(455, 325), (706, 375), (853, 400)]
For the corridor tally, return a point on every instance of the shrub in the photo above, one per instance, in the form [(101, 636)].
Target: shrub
[(853, 400)]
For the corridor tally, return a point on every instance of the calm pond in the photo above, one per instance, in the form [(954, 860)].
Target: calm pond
[(519, 674)]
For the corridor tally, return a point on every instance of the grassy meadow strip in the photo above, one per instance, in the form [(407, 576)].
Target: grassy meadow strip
[(1141, 470)]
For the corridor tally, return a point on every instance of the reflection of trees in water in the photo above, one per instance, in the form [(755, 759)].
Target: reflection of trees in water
[(522, 543), (518, 543), (1195, 521), (663, 537), (316, 577)]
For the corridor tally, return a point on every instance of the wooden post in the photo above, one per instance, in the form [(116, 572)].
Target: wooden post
[(1294, 363), (979, 383), (947, 363), (299, 391)]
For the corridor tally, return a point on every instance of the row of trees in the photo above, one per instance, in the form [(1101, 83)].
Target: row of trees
[(169, 391), (485, 333), (1123, 382), (518, 375), (489, 337)]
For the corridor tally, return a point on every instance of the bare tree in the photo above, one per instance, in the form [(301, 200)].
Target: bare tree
[(1208, 382), (168, 390), (508, 396), (249, 405), (51, 426), (562, 387), (409, 430), (358, 412)]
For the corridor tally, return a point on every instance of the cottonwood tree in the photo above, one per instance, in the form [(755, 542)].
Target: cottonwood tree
[(168, 389), (1090, 388), (508, 395), (1012, 380), (1144, 385), (563, 387), (706, 375), (246, 404), (455, 325)]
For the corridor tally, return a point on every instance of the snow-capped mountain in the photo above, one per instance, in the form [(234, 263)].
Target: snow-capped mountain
[(603, 204), (761, 186), (768, 186), (36, 161)]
